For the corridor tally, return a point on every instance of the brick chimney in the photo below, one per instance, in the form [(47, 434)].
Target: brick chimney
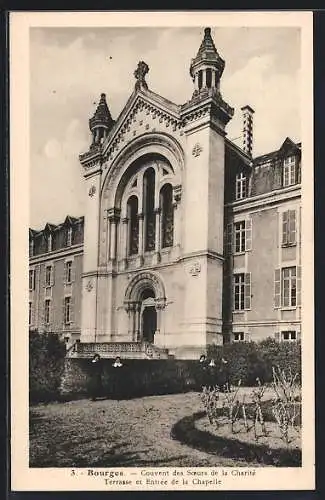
[(248, 129)]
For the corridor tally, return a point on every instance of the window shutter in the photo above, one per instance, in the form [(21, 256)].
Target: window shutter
[(285, 228), (298, 285), (52, 275), (248, 234), (229, 239), (292, 226), (277, 336), (277, 288), (42, 313), (247, 291)]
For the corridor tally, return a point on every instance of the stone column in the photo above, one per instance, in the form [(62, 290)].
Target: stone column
[(137, 322), (177, 195), (124, 242), (157, 236), (204, 78), (113, 216), (141, 238)]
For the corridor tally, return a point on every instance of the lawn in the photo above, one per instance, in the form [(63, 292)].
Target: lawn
[(110, 433)]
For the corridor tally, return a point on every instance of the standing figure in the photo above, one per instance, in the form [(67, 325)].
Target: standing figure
[(117, 378), (203, 371), (212, 374), (96, 385)]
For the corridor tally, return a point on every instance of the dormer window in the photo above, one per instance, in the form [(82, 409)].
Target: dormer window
[(49, 243), (69, 237), (31, 248), (289, 171), (241, 186)]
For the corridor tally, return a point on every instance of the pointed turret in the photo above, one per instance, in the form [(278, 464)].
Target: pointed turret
[(101, 123), (207, 67)]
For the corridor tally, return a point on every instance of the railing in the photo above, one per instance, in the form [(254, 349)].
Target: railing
[(137, 349)]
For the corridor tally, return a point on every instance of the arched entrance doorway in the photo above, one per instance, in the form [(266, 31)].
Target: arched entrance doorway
[(144, 303), (148, 315)]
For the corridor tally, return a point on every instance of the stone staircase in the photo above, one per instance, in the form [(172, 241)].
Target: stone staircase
[(126, 350)]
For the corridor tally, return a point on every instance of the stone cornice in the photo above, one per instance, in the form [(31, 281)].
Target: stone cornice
[(57, 254), (206, 103), (272, 198), (210, 254)]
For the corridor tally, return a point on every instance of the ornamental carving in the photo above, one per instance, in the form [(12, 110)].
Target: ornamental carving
[(92, 191), (197, 149), (89, 286), (195, 269)]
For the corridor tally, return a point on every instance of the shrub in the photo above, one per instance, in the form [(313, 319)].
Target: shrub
[(46, 365), (248, 361)]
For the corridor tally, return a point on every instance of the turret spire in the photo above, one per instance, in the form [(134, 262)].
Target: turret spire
[(207, 67), (101, 122)]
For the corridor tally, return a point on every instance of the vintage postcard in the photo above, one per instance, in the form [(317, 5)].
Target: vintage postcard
[(162, 331)]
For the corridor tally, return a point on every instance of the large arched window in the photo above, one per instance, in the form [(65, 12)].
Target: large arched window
[(132, 208), (167, 215), (149, 209)]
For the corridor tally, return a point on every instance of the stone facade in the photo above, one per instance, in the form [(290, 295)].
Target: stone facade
[(187, 239)]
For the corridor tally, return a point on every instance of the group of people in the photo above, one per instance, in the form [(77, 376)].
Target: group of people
[(213, 374), (96, 385), (210, 375)]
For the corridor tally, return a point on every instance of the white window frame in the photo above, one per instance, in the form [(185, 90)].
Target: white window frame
[(66, 266), (49, 243), (240, 286), (291, 279), (239, 334), (240, 229), (289, 333), (289, 171), (47, 310), (241, 186), (69, 236), (31, 280), (67, 317), (49, 282)]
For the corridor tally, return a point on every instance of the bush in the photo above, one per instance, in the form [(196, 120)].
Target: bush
[(46, 365), (248, 361)]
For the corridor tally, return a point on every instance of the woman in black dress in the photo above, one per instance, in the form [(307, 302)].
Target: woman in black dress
[(96, 385)]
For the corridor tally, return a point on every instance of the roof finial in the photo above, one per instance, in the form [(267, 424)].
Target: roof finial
[(140, 73)]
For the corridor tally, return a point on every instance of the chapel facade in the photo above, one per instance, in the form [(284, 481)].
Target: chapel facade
[(186, 241)]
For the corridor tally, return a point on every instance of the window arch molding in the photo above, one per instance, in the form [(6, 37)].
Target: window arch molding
[(118, 174)]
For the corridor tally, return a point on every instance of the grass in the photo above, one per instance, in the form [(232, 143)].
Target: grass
[(135, 433)]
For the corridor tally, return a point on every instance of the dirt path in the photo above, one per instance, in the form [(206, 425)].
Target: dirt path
[(109, 433)]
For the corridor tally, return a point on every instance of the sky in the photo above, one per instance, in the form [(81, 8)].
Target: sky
[(71, 67)]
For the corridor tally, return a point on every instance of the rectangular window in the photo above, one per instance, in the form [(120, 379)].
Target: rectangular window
[(289, 336), (48, 276), (47, 311), (289, 171), (31, 279), (30, 313), (241, 186), (49, 243), (289, 227), (289, 287), (67, 310), (239, 337), (241, 291), (68, 272), (69, 237), (240, 237), (31, 248)]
